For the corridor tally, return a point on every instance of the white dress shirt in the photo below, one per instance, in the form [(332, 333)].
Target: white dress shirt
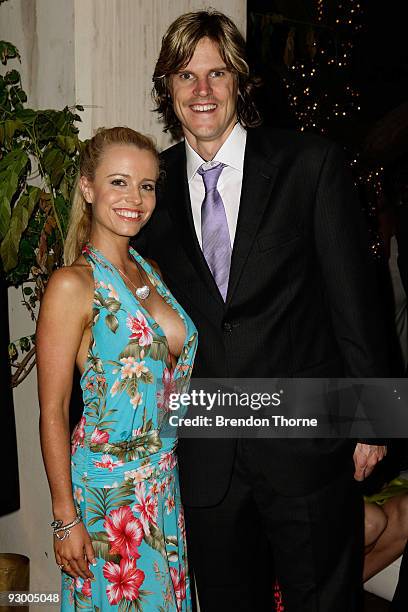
[(229, 184)]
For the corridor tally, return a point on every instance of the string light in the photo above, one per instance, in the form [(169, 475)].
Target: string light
[(316, 110)]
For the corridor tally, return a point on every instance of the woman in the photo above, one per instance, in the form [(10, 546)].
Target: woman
[(118, 522)]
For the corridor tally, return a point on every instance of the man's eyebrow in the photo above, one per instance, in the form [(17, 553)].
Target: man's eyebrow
[(223, 67)]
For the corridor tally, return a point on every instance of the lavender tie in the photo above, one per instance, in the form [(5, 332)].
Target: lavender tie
[(214, 228)]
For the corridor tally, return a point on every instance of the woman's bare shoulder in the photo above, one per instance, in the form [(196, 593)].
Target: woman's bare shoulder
[(70, 280)]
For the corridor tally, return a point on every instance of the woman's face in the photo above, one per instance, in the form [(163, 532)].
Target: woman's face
[(122, 193)]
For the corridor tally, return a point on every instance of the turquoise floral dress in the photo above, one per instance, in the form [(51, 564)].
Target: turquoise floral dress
[(124, 467)]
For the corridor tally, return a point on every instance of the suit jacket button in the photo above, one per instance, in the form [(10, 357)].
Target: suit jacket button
[(226, 326)]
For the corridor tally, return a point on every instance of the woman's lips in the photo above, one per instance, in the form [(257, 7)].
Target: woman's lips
[(128, 214)]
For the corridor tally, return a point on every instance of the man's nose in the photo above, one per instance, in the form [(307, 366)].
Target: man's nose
[(203, 87)]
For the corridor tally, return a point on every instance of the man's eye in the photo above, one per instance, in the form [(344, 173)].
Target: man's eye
[(185, 76), (118, 182), (217, 73)]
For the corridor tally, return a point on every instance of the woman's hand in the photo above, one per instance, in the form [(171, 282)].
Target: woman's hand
[(75, 552)]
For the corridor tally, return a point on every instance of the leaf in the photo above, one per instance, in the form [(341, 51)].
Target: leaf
[(159, 350), (8, 51), (101, 546), (5, 215), (112, 305), (133, 349), (11, 167), (12, 351), (156, 540), (18, 224), (112, 322), (172, 540), (66, 143), (12, 77), (25, 344), (147, 377)]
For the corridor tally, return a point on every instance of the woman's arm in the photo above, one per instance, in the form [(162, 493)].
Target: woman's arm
[(64, 317)]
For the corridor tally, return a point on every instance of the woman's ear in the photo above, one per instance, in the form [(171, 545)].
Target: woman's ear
[(86, 187)]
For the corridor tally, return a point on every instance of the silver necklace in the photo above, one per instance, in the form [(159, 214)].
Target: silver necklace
[(142, 293)]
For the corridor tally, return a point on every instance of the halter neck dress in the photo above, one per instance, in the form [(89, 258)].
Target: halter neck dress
[(124, 467)]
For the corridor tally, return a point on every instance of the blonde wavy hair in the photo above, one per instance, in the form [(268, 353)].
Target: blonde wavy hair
[(177, 49), (80, 218)]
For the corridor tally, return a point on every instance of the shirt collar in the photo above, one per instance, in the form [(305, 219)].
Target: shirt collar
[(231, 153)]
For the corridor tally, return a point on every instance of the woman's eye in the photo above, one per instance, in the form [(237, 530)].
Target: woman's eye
[(217, 73), (148, 187), (118, 182), (185, 76)]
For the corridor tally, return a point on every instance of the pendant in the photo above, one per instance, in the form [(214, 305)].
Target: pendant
[(142, 293)]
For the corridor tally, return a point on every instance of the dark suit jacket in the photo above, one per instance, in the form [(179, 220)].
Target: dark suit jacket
[(301, 299)]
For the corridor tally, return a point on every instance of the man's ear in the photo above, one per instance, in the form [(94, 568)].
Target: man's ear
[(87, 191)]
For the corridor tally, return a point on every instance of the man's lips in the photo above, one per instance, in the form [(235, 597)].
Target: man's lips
[(204, 108), (128, 214)]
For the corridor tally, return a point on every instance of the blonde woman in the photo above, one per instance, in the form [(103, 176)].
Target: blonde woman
[(118, 522)]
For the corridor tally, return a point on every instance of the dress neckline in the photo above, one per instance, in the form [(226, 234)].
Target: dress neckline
[(154, 279)]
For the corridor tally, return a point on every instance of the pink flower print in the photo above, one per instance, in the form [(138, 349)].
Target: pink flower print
[(107, 462), (137, 399), (125, 580), (99, 436), (125, 532), (128, 368), (112, 292), (146, 507), (90, 383), (84, 586), (169, 503), (181, 523), (167, 461), (140, 368), (169, 387), (78, 495), (78, 436), (179, 584), (140, 329), (115, 388)]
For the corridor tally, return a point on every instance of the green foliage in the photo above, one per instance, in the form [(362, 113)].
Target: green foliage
[(39, 156)]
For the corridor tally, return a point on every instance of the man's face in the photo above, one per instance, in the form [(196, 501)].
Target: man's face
[(204, 97)]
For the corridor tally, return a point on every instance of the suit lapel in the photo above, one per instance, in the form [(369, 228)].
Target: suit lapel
[(179, 207), (258, 180)]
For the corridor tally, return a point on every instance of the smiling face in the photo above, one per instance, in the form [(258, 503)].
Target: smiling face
[(204, 97), (122, 192)]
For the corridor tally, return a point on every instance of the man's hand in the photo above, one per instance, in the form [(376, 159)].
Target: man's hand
[(366, 457)]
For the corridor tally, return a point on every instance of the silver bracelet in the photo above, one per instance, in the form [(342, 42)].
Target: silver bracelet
[(58, 526)]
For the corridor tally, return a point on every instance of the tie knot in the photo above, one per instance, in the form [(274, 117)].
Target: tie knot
[(211, 174)]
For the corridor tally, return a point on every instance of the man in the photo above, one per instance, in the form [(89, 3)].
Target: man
[(258, 234)]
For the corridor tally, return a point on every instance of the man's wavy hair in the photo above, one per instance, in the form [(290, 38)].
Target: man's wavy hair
[(178, 46)]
